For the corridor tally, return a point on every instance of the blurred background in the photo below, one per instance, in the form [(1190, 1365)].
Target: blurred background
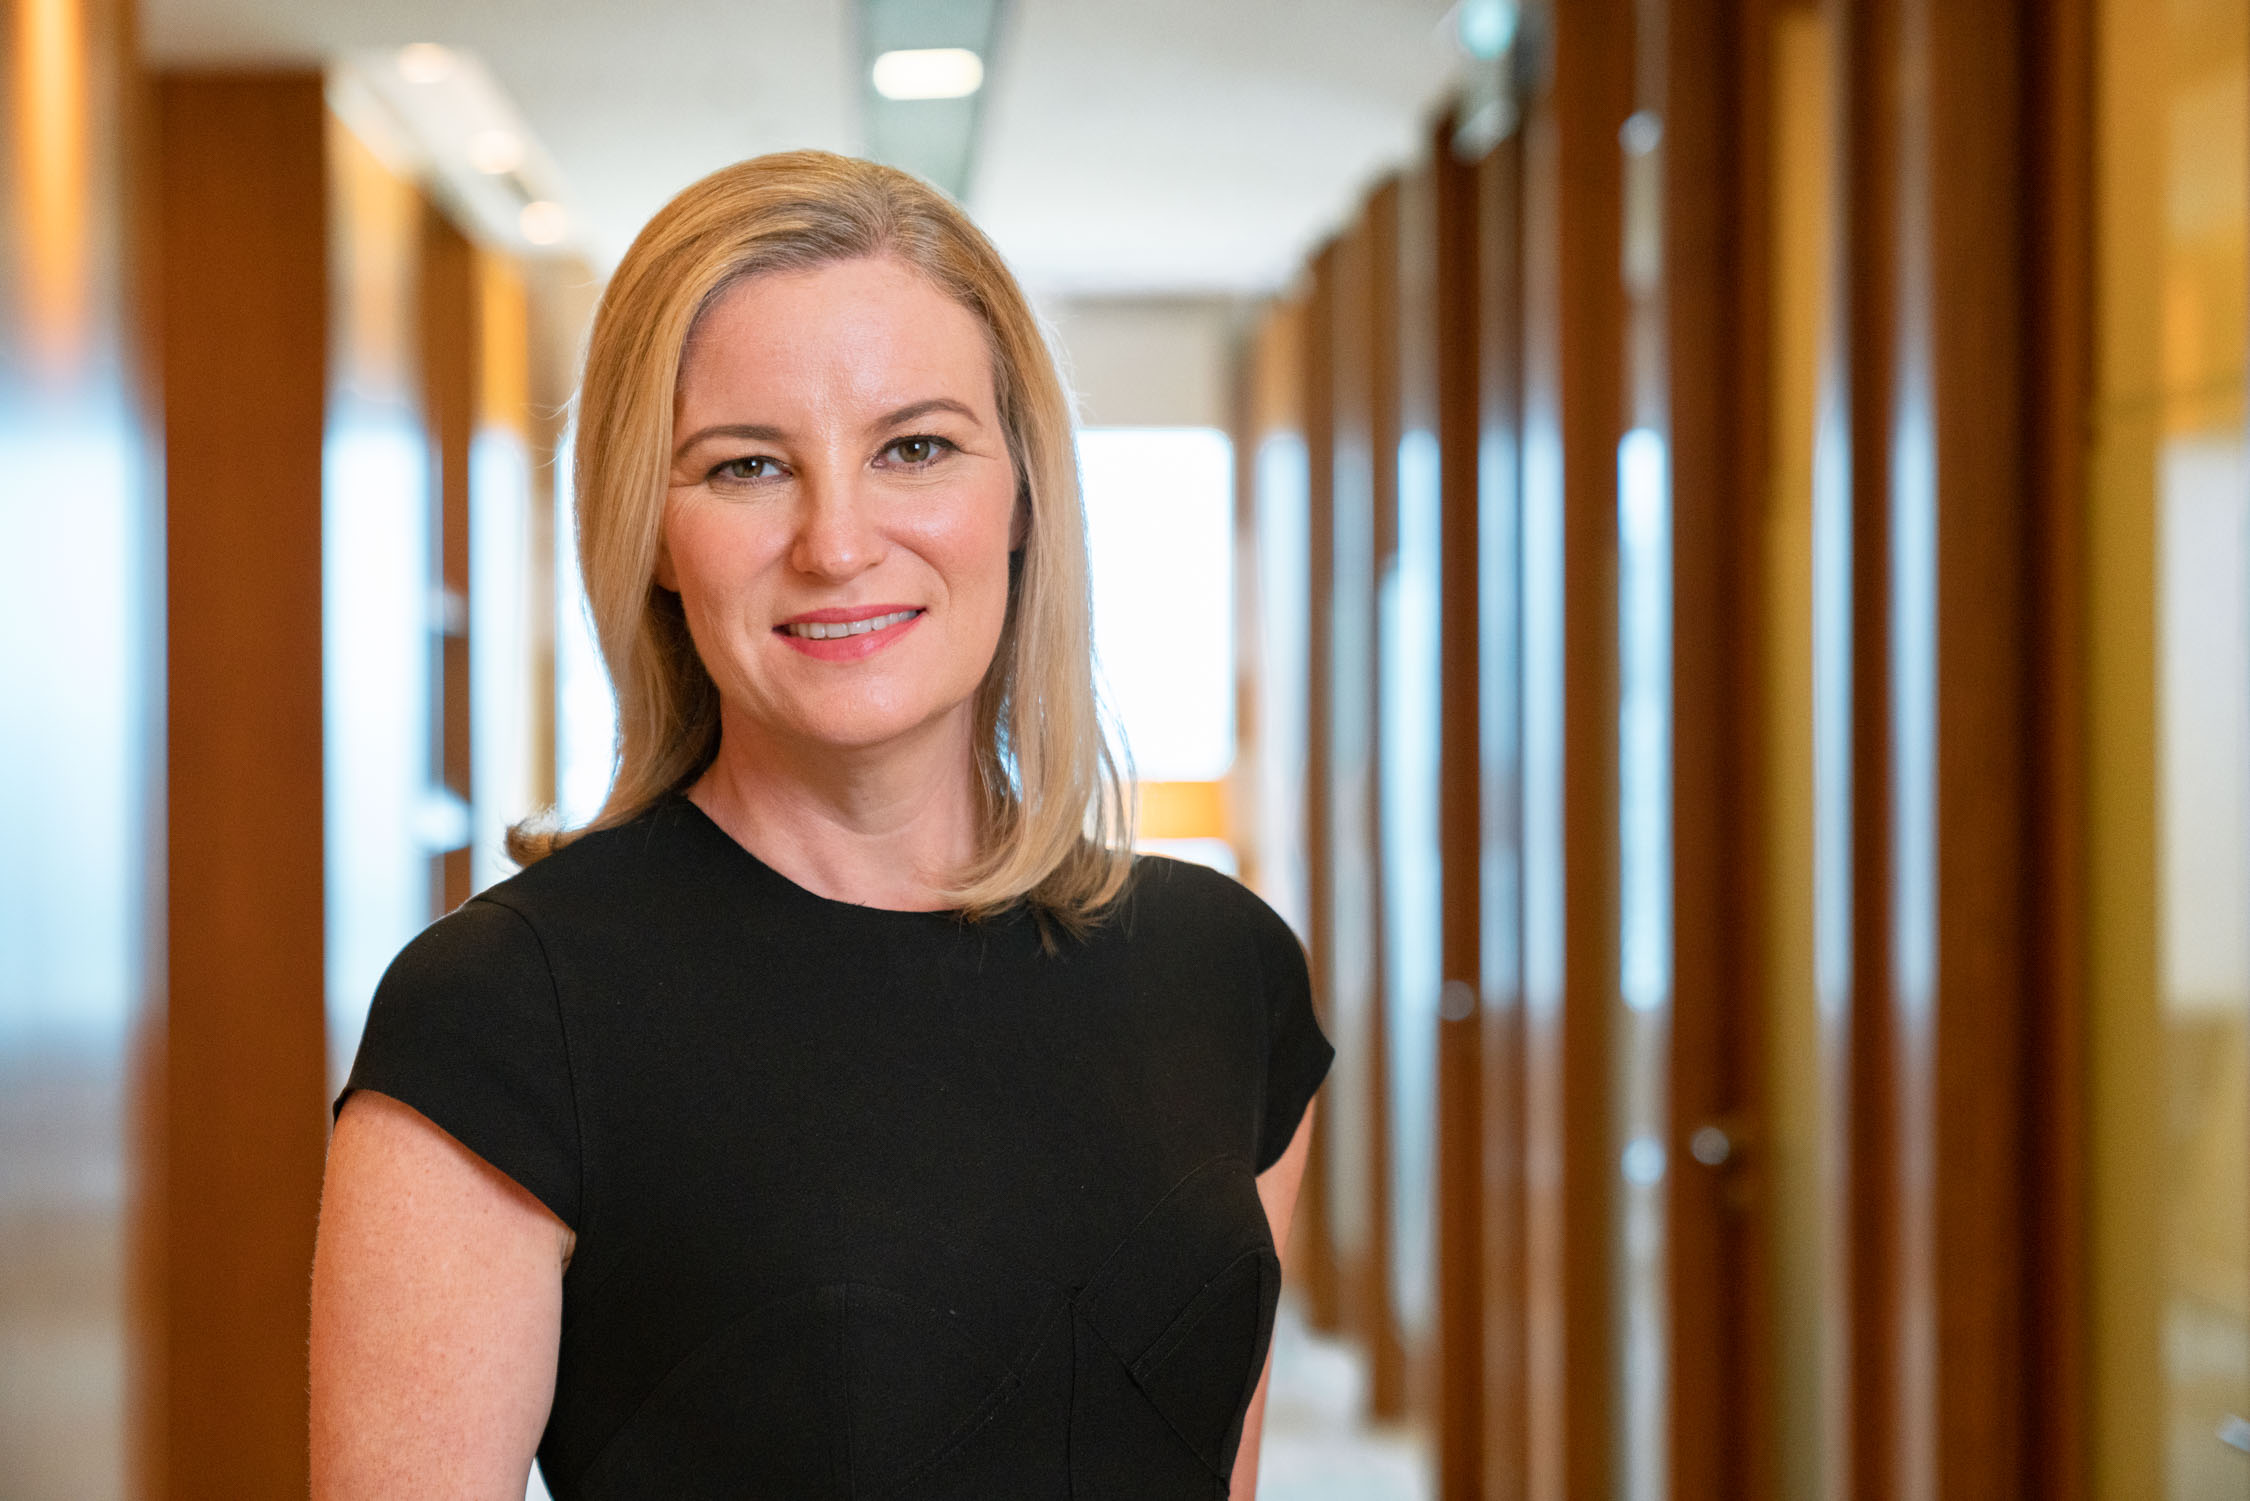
[(1695, 549)]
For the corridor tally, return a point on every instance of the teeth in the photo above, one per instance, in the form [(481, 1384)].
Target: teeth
[(818, 631)]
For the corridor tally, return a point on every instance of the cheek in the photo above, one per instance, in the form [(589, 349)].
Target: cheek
[(976, 546), (712, 554)]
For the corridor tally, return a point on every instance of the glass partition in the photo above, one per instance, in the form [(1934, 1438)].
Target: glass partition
[(2169, 576)]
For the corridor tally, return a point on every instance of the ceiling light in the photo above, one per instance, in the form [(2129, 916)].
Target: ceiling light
[(543, 223), (929, 73), (424, 62), (494, 152), (1487, 27)]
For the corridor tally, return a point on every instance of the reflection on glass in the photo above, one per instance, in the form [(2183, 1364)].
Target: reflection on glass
[(2204, 880), (1805, 891), (375, 689), (375, 592), (1408, 629), (585, 708), (1284, 628), (2170, 769), (499, 649), (80, 647), (1644, 762), (74, 662), (1645, 718)]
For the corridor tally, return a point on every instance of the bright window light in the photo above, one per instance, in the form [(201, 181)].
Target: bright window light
[(1160, 531), (929, 73)]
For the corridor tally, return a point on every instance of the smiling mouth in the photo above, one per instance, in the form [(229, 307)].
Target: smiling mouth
[(830, 630)]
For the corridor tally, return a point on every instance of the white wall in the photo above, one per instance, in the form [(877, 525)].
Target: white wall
[(1145, 361)]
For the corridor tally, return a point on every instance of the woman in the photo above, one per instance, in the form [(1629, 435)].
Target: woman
[(845, 1113)]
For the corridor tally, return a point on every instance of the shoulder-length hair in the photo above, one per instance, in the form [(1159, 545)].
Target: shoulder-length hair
[(1055, 820)]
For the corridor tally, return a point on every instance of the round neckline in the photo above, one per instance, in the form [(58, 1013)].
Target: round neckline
[(951, 916)]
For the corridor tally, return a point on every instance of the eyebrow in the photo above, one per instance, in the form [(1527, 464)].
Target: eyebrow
[(752, 432)]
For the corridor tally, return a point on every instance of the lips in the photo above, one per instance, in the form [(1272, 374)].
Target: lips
[(847, 634), (831, 630)]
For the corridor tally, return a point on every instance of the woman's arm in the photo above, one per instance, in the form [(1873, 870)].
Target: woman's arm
[(436, 1314), (1277, 1190)]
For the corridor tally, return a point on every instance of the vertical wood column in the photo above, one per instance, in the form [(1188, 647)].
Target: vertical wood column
[(1360, 485), (1716, 216), (448, 306), (1961, 356), (1573, 420), (1324, 1256), (1868, 89), (1497, 594), (1376, 387), (242, 317), (2059, 96), (1454, 317)]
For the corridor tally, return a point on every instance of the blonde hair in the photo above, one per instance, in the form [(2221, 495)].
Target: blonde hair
[(1055, 821)]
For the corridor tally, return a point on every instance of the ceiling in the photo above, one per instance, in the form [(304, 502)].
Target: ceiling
[(1128, 146)]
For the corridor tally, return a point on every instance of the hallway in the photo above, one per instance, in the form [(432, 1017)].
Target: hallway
[(1697, 554)]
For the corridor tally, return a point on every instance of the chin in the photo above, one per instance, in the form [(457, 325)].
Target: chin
[(858, 727)]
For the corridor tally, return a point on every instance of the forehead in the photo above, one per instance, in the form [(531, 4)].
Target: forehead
[(875, 330)]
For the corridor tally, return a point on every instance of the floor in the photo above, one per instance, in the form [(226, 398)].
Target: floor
[(1319, 1445)]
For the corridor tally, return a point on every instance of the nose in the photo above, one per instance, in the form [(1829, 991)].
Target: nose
[(836, 539)]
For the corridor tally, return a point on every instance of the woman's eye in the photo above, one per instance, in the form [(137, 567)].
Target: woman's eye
[(917, 451), (753, 468)]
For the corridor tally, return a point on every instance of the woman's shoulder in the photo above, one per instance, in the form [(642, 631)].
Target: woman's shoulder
[(598, 869), (1185, 899), (502, 933)]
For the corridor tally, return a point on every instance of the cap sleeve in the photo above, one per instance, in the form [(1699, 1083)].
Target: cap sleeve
[(465, 1029), (1297, 1052)]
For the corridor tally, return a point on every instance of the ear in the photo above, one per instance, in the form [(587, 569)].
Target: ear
[(1020, 526), (667, 577)]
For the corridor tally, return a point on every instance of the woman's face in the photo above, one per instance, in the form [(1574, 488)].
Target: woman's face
[(842, 505)]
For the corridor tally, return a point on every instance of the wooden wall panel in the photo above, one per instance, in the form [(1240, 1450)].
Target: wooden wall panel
[(1573, 419), (2060, 353), (1377, 385), (1362, 491), (451, 380), (1455, 321), (1324, 1258), (1966, 355), (1503, 1284), (242, 331), (1867, 65), (1716, 219)]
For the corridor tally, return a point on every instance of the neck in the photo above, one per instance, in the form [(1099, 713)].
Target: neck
[(885, 826)]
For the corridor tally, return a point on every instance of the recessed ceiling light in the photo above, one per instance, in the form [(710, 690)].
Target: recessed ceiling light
[(493, 152), (1487, 27), (543, 223), (424, 62), (929, 73)]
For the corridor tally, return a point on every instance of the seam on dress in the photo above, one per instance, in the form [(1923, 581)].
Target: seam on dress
[(995, 1401), (1006, 1389), (1173, 1335), (1094, 1286)]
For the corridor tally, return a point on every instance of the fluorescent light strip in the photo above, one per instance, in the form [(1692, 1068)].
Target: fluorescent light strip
[(929, 73)]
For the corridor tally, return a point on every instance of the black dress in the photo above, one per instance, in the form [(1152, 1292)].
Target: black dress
[(871, 1203)]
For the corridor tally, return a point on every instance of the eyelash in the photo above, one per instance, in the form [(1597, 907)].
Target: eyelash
[(938, 446)]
